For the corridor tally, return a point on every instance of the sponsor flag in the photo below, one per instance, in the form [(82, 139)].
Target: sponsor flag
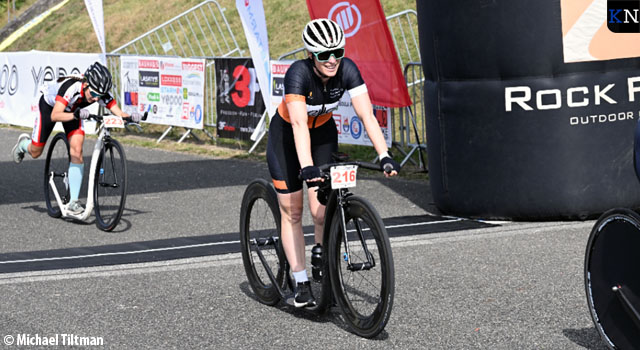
[(255, 29), (94, 7), (370, 45)]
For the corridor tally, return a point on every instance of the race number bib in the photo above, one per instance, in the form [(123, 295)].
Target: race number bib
[(113, 121), (343, 176)]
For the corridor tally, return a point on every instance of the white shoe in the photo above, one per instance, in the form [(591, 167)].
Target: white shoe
[(75, 208), (16, 152)]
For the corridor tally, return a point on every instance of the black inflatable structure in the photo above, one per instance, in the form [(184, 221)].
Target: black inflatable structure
[(514, 132)]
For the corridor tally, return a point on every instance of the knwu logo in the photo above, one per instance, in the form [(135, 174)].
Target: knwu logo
[(622, 16), (347, 16)]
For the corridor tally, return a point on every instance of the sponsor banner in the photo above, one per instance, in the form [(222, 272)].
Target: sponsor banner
[(350, 128), (370, 45), (558, 146), (171, 90), (600, 29), (23, 75), (255, 30), (239, 103), (516, 132)]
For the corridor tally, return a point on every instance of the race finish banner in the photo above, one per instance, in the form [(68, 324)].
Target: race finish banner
[(171, 90), (369, 44), (592, 29), (24, 74), (350, 127), (239, 103)]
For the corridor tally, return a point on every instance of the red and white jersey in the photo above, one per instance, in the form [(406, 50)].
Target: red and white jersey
[(69, 92)]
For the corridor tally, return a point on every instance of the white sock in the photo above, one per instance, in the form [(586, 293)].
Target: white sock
[(301, 276)]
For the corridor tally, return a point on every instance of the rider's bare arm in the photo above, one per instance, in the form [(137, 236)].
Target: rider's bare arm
[(117, 111), (59, 115)]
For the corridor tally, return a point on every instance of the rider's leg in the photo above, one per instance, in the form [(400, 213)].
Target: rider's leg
[(34, 151), (76, 167), (43, 126), (324, 142), (291, 229), (317, 212)]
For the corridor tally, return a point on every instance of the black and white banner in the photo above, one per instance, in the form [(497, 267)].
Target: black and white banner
[(513, 130), (239, 103), (24, 74)]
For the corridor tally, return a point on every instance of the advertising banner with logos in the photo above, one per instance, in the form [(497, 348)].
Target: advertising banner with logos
[(24, 74), (239, 103), (171, 90), (512, 130), (595, 30), (350, 128)]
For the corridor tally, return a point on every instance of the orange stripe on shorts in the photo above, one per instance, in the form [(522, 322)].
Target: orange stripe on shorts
[(279, 184)]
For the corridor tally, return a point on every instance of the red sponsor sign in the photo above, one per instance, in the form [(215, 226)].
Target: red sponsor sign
[(279, 69), (185, 111), (337, 118), (171, 80), (198, 66), (369, 44), (381, 116), (152, 64)]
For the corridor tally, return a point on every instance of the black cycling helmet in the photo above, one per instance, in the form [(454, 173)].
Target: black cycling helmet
[(99, 78), (322, 35)]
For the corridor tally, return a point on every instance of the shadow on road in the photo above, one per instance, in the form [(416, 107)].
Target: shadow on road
[(585, 337), (331, 315), (24, 183)]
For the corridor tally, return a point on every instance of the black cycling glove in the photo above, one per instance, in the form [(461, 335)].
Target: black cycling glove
[(309, 172), (388, 165)]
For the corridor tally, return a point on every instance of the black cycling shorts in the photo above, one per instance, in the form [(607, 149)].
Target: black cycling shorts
[(282, 158), (44, 125)]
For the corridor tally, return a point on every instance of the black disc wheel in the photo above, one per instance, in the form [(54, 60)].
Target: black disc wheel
[(110, 185), (612, 278), (262, 253), (56, 169), (361, 268)]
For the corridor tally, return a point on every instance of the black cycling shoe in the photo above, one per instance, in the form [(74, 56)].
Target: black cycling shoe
[(303, 296)]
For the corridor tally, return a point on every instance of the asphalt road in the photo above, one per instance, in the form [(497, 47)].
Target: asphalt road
[(171, 276)]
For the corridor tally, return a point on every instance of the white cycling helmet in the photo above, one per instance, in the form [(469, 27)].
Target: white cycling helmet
[(322, 35)]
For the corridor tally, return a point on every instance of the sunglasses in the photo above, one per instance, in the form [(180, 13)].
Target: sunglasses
[(326, 55), (94, 94)]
